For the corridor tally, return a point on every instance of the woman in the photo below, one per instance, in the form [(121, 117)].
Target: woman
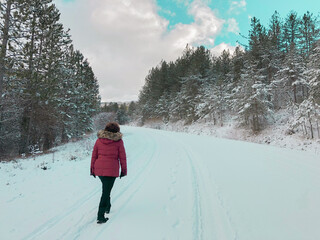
[(108, 151)]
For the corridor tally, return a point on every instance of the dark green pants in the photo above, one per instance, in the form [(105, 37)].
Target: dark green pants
[(105, 205)]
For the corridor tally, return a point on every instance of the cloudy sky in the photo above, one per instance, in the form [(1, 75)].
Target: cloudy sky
[(124, 39)]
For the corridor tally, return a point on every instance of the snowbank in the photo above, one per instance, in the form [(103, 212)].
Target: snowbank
[(274, 135)]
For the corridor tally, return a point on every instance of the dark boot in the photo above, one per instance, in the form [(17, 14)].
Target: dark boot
[(102, 220)]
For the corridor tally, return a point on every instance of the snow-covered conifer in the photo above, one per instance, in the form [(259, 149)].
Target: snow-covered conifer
[(251, 99)]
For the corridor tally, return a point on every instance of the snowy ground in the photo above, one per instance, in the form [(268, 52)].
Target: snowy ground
[(274, 135), (179, 186)]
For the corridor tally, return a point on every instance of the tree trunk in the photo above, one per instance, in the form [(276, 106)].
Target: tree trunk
[(3, 54), (318, 130), (302, 130), (4, 44), (305, 128), (220, 106), (28, 109), (311, 128), (295, 94), (256, 118), (24, 132), (47, 143), (303, 93), (64, 137)]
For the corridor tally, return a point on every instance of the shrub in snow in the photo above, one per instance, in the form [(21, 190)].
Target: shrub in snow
[(307, 117), (100, 120)]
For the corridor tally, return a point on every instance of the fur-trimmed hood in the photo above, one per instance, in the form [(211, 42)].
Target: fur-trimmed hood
[(110, 135)]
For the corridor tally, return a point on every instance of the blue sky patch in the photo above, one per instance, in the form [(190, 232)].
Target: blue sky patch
[(176, 11)]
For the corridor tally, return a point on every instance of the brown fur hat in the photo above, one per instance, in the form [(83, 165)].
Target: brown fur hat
[(110, 135)]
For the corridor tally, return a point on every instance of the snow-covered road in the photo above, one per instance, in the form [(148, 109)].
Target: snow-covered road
[(179, 186)]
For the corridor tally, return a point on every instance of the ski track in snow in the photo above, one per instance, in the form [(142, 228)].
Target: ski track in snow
[(197, 222), (200, 196), (57, 219), (181, 186), (83, 222), (217, 197)]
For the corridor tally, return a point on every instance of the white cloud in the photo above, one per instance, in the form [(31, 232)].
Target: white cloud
[(217, 50), (237, 6), (124, 39), (233, 26), (202, 31)]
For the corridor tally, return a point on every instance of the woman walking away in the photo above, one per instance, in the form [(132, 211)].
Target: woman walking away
[(108, 151)]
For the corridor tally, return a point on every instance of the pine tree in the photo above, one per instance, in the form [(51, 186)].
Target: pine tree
[(6, 13), (257, 40), (274, 57), (237, 64), (132, 110), (306, 115), (275, 31), (122, 116), (162, 107), (291, 32), (309, 33), (200, 62), (41, 77), (11, 83), (251, 102), (290, 78), (184, 105), (311, 106), (212, 105), (32, 49), (80, 100), (220, 90)]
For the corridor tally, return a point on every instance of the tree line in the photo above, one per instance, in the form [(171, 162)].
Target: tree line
[(48, 91), (119, 112), (277, 69)]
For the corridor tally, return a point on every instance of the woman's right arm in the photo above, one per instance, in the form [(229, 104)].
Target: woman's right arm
[(123, 158)]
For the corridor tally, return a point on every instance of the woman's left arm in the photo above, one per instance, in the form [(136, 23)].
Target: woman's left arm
[(93, 158)]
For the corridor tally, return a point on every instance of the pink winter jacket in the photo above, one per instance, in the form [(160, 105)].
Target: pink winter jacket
[(107, 153)]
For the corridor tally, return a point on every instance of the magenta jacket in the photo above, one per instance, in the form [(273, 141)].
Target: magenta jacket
[(108, 155)]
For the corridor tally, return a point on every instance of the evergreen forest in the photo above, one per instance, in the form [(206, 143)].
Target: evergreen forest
[(48, 91), (278, 69)]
